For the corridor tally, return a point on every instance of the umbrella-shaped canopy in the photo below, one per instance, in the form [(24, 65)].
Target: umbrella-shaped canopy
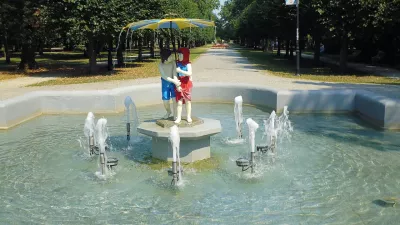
[(175, 23), (171, 23)]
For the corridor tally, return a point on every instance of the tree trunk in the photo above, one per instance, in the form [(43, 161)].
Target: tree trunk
[(271, 45), (390, 49), (265, 44), (17, 46), (40, 47), (291, 49), (140, 45), (317, 52), (395, 46), (120, 50), (186, 43), (173, 40), (110, 66), (28, 58), (100, 46), (160, 43), (343, 53), (287, 48), (85, 52), (92, 55), (278, 53), (6, 51), (301, 46), (152, 55), (179, 42), (120, 57), (70, 46)]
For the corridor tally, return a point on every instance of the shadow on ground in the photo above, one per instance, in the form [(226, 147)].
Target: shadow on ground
[(66, 64)]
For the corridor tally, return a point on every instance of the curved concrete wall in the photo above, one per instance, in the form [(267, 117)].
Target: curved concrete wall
[(380, 111)]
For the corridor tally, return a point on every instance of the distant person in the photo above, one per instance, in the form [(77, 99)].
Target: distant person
[(322, 48)]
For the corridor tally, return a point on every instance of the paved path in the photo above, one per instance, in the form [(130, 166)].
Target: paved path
[(22, 82), (222, 65)]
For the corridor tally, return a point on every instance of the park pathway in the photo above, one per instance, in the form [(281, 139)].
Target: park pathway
[(220, 65)]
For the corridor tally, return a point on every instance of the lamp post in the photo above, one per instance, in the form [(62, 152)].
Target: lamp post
[(296, 2), (297, 41)]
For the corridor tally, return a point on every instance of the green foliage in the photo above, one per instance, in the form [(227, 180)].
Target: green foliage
[(36, 24), (362, 23), (201, 9), (258, 18)]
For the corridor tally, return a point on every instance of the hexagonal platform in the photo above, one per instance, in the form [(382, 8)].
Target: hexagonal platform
[(194, 143)]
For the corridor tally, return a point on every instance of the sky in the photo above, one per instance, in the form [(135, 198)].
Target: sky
[(221, 2)]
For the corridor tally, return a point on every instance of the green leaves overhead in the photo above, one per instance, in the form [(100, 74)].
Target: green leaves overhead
[(99, 18), (256, 19)]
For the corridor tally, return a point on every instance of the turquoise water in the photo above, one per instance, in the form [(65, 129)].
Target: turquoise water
[(330, 172)]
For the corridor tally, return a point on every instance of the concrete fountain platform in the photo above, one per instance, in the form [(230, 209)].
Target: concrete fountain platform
[(194, 143)]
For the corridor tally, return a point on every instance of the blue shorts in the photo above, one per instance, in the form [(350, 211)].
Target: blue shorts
[(167, 90)]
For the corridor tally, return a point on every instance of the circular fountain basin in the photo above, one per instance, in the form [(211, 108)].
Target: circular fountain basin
[(194, 142), (336, 169)]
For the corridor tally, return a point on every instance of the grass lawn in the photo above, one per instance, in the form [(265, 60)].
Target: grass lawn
[(280, 66), (8, 75), (51, 63), (72, 68)]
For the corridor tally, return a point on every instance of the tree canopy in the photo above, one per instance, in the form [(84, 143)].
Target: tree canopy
[(30, 25), (368, 25)]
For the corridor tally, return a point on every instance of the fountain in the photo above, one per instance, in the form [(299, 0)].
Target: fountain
[(101, 137), (270, 133), (276, 129), (245, 163), (105, 163), (90, 133), (176, 170), (238, 115), (284, 125), (194, 137), (130, 107), (334, 168), (318, 170), (88, 130)]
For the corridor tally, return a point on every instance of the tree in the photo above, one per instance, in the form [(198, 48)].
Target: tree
[(385, 26), (7, 24), (100, 21), (26, 14), (344, 19)]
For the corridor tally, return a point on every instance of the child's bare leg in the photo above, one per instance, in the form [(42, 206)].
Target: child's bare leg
[(167, 107), (174, 105), (179, 112), (189, 111)]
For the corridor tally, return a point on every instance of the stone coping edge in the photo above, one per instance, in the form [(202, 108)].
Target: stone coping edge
[(380, 111), (208, 128)]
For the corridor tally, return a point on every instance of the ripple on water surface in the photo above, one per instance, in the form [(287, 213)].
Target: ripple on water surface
[(331, 171)]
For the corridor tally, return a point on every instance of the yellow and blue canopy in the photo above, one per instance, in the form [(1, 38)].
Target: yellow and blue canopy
[(175, 23)]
